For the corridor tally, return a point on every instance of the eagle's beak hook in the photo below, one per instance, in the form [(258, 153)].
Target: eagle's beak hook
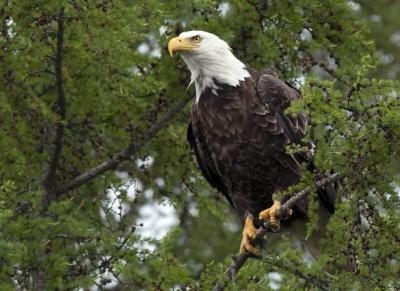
[(174, 45), (177, 44)]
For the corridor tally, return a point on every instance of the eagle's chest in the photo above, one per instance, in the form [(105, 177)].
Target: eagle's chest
[(221, 116), (232, 125)]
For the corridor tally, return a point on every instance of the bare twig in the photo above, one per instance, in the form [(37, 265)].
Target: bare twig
[(126, 154), (48, 181), (240, 260), (322, 285)]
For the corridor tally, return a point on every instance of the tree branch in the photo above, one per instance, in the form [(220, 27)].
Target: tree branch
[(126, 154), (322, 285), (48, 181), (240, 260)]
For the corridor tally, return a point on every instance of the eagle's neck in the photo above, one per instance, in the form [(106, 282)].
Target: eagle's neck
[(212, 68)]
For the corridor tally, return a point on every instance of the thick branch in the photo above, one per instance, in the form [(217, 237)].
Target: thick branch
[(125, 154), (48, 181), (240, 260)]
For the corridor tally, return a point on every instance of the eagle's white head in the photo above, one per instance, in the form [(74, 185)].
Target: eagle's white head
[(209, 59)]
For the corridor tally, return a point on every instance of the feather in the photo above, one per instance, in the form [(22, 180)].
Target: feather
[(239, 140)]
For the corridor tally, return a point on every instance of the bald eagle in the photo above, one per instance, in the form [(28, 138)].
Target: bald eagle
[(238, 131)]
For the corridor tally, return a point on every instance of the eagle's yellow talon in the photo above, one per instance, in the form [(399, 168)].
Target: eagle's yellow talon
[(248, 235), (270, 213)]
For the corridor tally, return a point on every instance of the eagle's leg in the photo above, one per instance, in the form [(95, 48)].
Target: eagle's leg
[(248, 235), (270, 213)]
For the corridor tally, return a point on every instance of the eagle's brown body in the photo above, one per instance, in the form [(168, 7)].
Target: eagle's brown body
[(239, 138), (239, 132)]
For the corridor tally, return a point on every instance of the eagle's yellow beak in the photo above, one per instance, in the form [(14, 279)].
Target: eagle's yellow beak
[(180, 44)]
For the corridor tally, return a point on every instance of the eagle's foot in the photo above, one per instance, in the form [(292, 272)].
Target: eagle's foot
[(248, 235), (270, 214)]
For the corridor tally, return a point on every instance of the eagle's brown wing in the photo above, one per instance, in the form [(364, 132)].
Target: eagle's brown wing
[(278, 95), (206, 163)]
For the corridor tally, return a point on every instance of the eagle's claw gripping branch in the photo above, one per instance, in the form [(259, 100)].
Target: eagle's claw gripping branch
[(285, 209)]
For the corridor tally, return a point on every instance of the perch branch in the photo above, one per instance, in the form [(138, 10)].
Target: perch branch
[(48, 181), (240, 260), (126, 154)]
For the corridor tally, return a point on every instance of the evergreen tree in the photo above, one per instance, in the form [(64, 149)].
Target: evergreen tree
[(93, 116)]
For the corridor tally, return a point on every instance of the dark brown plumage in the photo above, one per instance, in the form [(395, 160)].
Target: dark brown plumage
[(239, 132), (239, 140)]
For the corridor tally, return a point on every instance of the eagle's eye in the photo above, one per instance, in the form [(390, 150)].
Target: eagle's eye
[(196, 38)]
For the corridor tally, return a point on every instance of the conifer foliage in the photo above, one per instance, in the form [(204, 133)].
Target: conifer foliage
[(93, 116)]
